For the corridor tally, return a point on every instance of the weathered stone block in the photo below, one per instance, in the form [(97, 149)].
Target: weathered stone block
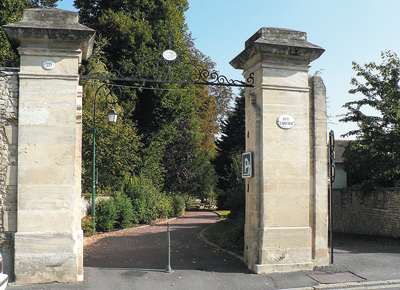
[(11, 134), (11, 177), (48, 256), (10, 221)]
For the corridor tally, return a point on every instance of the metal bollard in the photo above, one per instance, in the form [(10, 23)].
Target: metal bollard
[(168, 270)]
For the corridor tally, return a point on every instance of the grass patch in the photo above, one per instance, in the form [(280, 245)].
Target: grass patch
[(223, 213), (227, 233)]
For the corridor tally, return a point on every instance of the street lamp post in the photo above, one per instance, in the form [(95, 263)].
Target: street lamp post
[(112, 118)]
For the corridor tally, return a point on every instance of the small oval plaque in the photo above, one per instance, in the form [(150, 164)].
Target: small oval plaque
[(49, 65), (286, 121), (169, 55)]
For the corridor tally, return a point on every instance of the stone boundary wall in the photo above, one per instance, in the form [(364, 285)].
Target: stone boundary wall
[(9, 86), (375, 214)]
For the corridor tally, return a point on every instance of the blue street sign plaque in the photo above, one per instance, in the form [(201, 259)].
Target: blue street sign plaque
[(247, 165)]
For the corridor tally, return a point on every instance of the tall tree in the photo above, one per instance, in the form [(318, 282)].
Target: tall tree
[(117, 145), (373, 159), (136, 30), (230, 146), (179, 158), (231, 185)]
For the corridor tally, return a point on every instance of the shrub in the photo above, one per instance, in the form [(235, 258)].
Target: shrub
[(87, 224), (148, 202), (124, 208), (144, 198), (165, 208), (179, 205), (106, 214)]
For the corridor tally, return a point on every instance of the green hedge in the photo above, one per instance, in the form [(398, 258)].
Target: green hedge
[(138, 202), (106, 214), (125, 210)]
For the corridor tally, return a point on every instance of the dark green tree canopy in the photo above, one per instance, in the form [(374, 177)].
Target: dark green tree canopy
[(134, 28), (373, 159), (227, 163)]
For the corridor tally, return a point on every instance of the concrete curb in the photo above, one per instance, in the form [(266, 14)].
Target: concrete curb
[(103, 235), (354, 285)]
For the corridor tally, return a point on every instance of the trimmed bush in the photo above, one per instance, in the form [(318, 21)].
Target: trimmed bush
[(179, 205), (106, 214), (144, 198), (124, 208), (165, 207), (148, 203)]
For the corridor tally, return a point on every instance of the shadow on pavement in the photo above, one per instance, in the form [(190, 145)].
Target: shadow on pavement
[(146, 248), (365, 244)]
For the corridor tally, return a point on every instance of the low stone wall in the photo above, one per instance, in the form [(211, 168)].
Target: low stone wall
[(376, 213), (8, 164)]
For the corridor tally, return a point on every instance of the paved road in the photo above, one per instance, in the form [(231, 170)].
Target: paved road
[(372, 258), (137, 259), (147, 248)]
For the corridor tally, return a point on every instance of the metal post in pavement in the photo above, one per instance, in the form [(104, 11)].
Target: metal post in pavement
[(168, 270)]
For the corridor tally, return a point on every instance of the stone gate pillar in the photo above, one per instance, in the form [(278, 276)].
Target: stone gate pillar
[(49, 239), (286, 199)]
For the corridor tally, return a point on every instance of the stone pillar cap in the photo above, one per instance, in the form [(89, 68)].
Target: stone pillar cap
[(278, 42), (51, 28)]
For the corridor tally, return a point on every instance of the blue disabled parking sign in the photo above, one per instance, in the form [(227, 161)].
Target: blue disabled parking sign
[(247, 166)]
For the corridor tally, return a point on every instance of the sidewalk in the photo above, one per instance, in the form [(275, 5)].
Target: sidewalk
[(137, 259)]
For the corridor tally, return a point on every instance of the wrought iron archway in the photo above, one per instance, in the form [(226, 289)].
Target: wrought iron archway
[(168, 66)]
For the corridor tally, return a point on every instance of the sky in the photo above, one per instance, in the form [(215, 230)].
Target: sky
[(348, 30)]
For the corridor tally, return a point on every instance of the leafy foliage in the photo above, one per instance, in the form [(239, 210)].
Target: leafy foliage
[(10, 12), (43, 3), (124, 209), (236, 193), (178, 205), (148, 202), (117, 145), (373, 159), (138, 203), (106, 214), (87, 224), (227, 163), (165, 208), (144, 197)]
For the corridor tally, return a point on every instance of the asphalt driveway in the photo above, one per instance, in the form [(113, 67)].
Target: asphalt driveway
[(146, 248)]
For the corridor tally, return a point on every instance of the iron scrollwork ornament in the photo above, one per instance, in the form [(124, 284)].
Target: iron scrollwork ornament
[(172, 65)]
